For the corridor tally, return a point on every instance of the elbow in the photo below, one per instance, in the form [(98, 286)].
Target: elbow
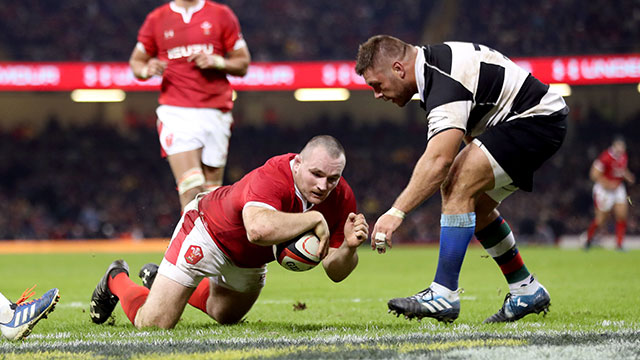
[(243, 70), (256, 235)]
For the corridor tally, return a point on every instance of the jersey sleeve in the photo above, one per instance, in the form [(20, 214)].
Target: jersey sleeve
[(453, 115), (231, 33), (346, 205), (264, 189), (601, 162), (146, 36)]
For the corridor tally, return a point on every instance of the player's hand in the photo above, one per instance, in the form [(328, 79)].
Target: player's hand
[(155, 67), (356, 230), (207, 61), (322, 232), (383, 231)]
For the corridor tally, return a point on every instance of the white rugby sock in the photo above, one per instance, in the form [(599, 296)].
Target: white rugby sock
[(528, 286), (6, 312), (445, 292)]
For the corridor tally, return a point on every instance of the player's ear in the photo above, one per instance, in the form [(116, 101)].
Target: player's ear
[(398, 68), (297, 160)]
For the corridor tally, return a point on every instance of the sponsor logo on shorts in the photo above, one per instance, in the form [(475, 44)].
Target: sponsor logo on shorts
[(193, 254), (168, 140)]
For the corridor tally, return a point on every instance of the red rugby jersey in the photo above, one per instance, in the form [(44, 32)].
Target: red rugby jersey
[(270, 185), (172, 34), (612, 167)]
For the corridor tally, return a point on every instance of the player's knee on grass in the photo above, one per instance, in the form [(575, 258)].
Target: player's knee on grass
[(229, 307)]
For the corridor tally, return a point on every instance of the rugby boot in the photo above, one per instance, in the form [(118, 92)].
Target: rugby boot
[(27, 314), (426, 304), (103, 302), (516, 307), (148, 274)]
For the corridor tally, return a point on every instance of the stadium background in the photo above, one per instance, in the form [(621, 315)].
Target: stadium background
[(92, 170)]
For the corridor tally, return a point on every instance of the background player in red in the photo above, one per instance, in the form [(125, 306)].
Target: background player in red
[(217, 257), (193, 45), (608, 172)]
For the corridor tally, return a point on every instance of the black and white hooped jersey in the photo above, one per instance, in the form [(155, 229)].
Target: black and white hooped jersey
[(473, 87)]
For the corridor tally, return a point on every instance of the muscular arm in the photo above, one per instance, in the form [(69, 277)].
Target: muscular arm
[(237, 62), (267, 227), (341, 261), (430, 170), (140, 60)]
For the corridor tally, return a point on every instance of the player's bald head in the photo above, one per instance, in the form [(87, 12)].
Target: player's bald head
[(379, 49), (326, 142)]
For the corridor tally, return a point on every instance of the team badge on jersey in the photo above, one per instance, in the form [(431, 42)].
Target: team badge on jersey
[(193, 254), (206, 27), (168, 34), (168, 140)]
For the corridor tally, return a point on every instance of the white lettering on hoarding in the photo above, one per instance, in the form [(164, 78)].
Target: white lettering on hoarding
[(596, 68), (29, 75), (264, 75), (115, 75), (340, 75)]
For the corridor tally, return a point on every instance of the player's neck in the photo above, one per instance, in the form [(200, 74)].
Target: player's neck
[(186, 3)]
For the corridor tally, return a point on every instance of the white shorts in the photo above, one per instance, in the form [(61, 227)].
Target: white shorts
[(604, 199), (193, 255), (503, 184), (183, 129)]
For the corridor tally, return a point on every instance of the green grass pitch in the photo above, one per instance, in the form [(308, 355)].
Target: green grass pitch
[(595, 311)]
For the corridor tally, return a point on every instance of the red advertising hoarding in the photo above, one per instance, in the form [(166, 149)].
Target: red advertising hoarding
[(66, 76)]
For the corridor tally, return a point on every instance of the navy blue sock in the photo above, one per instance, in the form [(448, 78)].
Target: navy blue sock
[(456, 232)]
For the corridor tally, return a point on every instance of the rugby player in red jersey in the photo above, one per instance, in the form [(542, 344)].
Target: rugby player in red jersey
[(217, 257), (608, 172), (193, 45)]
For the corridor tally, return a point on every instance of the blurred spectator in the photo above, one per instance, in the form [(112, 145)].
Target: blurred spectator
[(550, 27), (51, 186)]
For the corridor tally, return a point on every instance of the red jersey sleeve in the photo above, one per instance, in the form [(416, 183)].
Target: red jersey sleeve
[(265, 189), (146, 37), (231, 31)]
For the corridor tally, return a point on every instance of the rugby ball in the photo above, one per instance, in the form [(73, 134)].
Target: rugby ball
[(298, 254)]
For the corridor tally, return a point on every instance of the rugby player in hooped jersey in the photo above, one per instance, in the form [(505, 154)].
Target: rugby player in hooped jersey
[(609, 172), (511, 124), (193, 45), (217, 257)]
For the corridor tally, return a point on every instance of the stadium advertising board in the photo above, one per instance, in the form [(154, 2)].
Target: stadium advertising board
[(66, 76)]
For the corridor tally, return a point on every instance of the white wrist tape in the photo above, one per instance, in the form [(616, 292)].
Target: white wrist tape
[(396, 212), (218, 62), (144, 73)]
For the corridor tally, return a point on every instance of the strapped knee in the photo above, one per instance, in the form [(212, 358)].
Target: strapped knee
[(190, 179)]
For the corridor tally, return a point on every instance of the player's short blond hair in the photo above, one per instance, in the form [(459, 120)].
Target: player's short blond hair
[(328, 142), (380, 46)]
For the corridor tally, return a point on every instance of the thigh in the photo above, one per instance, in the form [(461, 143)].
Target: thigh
[(620, 211), (470, 175), (183, 161), (164, 305), (228, 306)]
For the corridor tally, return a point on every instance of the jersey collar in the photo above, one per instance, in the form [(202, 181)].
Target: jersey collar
[(186, 13), (419, 70), (306, 206)]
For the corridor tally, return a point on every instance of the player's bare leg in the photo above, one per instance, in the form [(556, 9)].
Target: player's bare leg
[(470, 175), (227, 306), (213, 177), (620, 212), (164, 305), (187, 170)]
